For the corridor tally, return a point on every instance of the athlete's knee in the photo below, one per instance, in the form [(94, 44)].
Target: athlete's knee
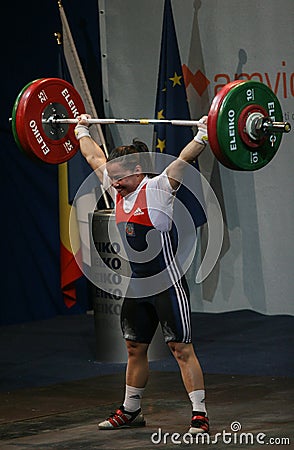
[(181, 351), (136, 349)]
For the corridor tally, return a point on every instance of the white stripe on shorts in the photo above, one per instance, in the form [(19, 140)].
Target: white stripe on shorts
[(175, 277)]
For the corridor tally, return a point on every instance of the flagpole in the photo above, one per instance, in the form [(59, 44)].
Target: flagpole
[(83, 89), (87, 98)]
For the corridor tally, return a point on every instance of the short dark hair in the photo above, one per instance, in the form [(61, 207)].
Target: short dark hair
[(132, 155)]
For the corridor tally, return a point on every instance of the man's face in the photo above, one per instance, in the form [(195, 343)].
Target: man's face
[(123, 180)]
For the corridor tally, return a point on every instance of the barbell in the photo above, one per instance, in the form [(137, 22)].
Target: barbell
[(245, 122)]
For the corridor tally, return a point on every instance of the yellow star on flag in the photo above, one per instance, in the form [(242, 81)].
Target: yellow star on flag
[(176, 79), (160, 144), (160, 114)]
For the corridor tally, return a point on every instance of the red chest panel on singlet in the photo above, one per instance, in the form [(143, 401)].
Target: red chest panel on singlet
[(138, 214)]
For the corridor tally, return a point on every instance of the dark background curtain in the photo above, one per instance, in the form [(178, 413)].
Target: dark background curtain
[(30, 276)]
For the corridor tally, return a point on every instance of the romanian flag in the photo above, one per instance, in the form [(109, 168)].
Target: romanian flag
[(73, 234), (70, 250)]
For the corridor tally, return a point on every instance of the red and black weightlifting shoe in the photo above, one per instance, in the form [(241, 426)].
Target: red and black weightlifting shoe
[(123, 419), (199, 423)]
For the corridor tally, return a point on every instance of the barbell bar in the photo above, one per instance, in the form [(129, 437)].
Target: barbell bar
[(261, 126), (185, 123), (245, 122)]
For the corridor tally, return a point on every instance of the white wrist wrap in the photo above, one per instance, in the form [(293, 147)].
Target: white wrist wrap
[(82, 131), (201, 136)]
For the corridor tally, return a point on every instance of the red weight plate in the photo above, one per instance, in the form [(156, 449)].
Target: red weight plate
[(212, 123), (250, 109), (34, 102), (19, 118), (13, 117)]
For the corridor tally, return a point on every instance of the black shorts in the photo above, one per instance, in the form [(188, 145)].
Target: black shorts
[(170, 308)]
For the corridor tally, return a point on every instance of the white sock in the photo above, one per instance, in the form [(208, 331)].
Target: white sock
[(198, 400), (133, 396)]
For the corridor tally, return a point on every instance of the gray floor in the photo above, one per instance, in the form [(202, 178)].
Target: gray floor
[(65, 416), (53, 391)]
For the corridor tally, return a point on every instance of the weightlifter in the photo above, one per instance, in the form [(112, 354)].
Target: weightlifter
[(144, 203)]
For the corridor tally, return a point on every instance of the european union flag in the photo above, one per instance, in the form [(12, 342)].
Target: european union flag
[(171, 103)]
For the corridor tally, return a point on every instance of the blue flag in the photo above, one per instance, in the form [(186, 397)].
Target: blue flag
[(171, 103)]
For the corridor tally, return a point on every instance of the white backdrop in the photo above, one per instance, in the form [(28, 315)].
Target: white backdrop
[(220, 38)]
